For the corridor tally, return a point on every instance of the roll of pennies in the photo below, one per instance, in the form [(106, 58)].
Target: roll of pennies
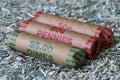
[(90, 44), (105, 34), (49, 50)]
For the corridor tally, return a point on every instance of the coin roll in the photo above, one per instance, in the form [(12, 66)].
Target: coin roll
[(90, 44), (49, 50), (105, 34)]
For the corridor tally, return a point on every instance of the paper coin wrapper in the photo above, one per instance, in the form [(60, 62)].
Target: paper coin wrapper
[(49, 50), (81, 27), (88, 43)]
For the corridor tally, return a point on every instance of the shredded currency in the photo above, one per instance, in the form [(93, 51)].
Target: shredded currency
[(16, 66)]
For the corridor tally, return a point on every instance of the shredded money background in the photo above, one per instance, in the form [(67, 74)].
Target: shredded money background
[(15, 66)]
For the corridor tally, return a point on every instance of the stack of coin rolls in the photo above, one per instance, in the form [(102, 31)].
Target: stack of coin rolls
[(105, 34), (88, 43), (60, 40)]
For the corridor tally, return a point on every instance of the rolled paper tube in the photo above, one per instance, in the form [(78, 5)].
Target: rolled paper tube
[(49, 50), (88, 43), (81, 27)]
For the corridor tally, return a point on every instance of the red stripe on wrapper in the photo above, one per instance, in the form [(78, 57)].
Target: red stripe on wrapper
[(37, 14), (23, 25), (22, 28)]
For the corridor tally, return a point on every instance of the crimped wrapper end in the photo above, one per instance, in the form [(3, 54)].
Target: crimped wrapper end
[(106, 36), (93, 48), (23, 25)]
